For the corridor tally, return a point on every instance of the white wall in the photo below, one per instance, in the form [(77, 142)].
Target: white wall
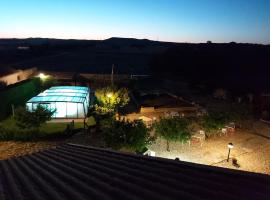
[(63, 109), (18, 76)]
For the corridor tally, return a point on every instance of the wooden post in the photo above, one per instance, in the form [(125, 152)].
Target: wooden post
[(84, 125), (13, 110), (112, 75)]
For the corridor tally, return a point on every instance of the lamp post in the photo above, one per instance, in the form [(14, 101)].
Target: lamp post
[(230, 146)]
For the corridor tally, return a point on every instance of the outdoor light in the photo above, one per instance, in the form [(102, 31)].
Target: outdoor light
[(230, 146), (42, 76), (109, 95)]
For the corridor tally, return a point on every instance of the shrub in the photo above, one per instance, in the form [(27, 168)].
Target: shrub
[(124, 134), (20, 135), (27, 119)]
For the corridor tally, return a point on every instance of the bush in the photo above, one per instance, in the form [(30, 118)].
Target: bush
[(28, 119), (124, 134), (19, 135)]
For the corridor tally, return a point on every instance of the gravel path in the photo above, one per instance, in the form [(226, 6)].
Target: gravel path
[(251, 151), (14, 149)]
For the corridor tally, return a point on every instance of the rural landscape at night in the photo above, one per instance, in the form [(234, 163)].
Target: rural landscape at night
[(134, 99)]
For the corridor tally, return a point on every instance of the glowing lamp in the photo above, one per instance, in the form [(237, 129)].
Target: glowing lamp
[(42, 76), (109, 95), (230, 146)]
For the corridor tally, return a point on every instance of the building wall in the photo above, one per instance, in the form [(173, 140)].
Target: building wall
[(66, 110), (18, 76), (156, 114)]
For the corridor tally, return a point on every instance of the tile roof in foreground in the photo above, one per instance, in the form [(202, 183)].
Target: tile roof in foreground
[(76, 172)]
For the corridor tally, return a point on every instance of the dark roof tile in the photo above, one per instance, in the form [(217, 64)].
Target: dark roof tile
[(77, 172)]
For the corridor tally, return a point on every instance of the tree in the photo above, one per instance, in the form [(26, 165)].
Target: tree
[(214, 121), (173, 129), (109, 99), (124, 134), (218, 117), (27, 119)]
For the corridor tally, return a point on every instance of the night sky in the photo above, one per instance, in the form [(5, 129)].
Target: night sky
[(163, 20)]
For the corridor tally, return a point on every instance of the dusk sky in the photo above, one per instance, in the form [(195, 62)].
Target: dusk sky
[(164, 20)]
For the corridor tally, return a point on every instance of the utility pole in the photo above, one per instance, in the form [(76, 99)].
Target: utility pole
[(112, 75)]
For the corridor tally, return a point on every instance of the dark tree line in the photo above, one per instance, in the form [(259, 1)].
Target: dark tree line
[(230, 65)]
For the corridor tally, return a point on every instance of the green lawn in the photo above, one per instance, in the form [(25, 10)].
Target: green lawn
[(47, 129)]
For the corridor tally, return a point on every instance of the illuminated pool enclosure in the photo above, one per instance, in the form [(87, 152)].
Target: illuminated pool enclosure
[(69, 101)]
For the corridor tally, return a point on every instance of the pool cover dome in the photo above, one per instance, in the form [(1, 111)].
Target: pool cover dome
[(69, 101)]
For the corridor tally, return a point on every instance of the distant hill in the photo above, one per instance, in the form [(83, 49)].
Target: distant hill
[(128, 55), (229, 64)]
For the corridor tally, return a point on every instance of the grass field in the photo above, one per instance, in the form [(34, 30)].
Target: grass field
[(48, 128), (10, 130)]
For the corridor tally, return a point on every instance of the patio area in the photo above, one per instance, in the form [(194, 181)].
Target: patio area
[(251, 151)]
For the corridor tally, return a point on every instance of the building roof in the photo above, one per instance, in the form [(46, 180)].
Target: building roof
[(78, 172), (163, 100), (76, 94)]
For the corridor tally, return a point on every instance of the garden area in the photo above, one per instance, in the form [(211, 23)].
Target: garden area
[(18, 123), (169, 137), (22, 131), (172, 137)]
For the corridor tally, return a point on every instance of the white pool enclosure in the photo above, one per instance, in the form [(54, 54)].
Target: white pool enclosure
[(68, 101)]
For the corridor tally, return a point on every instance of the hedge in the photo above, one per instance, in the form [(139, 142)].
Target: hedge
[(17, 95)]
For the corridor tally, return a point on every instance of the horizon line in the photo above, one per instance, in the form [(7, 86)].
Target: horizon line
[(177, 42)]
